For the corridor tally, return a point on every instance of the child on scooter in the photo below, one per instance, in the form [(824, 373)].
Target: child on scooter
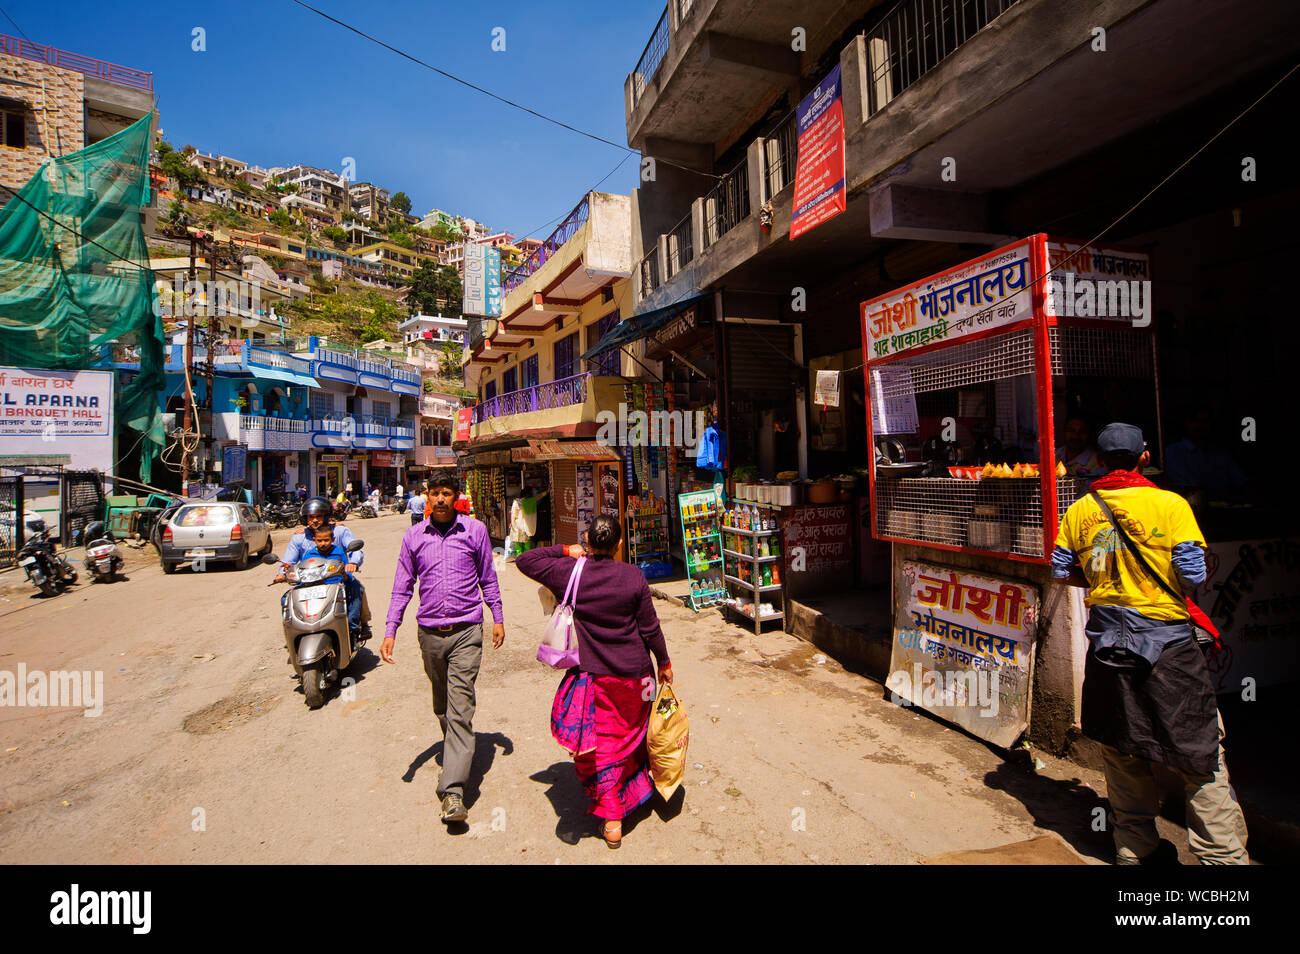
[(326, 547)]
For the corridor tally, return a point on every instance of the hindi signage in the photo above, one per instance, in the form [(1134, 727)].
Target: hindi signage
[(819, 192), (963, 648), (817, 548), (978, 296)]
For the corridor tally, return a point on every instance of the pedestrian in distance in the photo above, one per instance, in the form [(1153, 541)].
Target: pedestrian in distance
[(1147, 694), (416, 506), (450, 556), (602, 707)]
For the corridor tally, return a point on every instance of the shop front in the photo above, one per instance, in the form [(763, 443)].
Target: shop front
[(386, 470), (972, 375)]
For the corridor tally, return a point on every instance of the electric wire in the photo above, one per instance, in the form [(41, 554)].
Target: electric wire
[(16, 26), (487, 92)]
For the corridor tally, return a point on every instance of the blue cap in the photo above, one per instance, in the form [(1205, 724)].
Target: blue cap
[(1121, 437)]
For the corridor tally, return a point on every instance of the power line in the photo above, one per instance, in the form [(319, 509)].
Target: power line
[(85, 238), (16, 26), (487, 92)]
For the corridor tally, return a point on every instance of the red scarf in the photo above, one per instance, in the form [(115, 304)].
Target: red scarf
[(1119, 479)]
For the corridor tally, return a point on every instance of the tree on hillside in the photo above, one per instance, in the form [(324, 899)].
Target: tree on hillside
[(400, 202), (176, 165), (433, 289)]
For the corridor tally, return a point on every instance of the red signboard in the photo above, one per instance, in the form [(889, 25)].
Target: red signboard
[(819, 172), (464, 420)]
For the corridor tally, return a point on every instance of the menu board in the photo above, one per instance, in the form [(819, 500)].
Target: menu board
[(893, 401), (963, 648)]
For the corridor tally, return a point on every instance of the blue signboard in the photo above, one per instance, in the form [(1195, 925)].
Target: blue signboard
[(233, 463), (482, 295)]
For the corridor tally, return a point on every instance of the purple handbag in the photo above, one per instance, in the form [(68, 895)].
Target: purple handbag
[(559, 646)]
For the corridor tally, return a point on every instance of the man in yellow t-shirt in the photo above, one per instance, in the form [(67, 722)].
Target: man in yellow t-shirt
[(1147, 695)]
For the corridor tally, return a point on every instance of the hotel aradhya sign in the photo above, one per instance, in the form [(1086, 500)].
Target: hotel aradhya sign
[(978, 296)]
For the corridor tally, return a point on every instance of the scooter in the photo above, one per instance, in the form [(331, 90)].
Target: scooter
[(103, 558), (40, 560), (315, 619)]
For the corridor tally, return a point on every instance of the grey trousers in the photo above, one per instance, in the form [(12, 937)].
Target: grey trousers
[(452, 661), (1216, 829)]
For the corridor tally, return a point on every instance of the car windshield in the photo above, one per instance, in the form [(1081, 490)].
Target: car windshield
[(205, 516)]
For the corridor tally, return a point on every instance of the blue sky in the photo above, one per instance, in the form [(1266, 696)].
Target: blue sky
[(278, 84)]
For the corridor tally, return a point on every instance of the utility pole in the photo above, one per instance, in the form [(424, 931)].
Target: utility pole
[(188, 420)]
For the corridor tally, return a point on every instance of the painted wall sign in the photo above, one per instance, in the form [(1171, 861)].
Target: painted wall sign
[(64, 412), (963, 647)]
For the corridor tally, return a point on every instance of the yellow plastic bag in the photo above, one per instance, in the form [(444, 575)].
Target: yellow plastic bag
[(666, 740)]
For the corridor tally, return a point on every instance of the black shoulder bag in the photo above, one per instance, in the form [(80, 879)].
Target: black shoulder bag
[(1207, 640)]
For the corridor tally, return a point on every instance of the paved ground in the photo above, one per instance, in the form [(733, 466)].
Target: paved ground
[(205, 751)]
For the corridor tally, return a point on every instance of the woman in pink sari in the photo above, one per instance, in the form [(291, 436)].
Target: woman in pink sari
[(602, 707)]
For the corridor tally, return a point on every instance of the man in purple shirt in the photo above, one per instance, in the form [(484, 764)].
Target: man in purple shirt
[(451, 555)]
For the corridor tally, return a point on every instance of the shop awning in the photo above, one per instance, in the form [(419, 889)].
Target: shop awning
[(638, 326), (284, 376)]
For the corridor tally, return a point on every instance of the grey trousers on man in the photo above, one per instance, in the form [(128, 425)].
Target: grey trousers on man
[(1216, 829), (451, 661)]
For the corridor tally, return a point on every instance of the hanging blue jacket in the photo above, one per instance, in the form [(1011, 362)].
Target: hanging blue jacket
[(712, 450)]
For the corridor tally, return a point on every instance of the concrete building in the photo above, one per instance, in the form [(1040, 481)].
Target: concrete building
[(369, 202), (966, 127), (321, 189), (53, 102)]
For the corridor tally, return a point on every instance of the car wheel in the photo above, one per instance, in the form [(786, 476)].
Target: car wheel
[(266, 549), (241, 561), (168, 568)]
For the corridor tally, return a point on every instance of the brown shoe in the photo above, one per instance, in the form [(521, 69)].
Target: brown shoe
[(612, 832)]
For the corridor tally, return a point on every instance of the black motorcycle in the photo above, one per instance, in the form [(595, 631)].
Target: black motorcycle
[(40, 560)]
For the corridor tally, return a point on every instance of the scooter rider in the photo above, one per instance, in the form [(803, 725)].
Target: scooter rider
[(315, 513), (325, 544)]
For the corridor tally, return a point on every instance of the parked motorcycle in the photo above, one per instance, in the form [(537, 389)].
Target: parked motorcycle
[(45, 567), (103, 558), (367, 511), (400, 505), (315, 620)]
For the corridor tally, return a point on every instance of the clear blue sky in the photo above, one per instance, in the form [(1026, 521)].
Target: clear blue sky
[(279, 85)]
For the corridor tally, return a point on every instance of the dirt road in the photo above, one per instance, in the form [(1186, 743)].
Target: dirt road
[(205, 752)]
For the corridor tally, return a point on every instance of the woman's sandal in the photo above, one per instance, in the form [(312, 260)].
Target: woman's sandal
[(614, 828)]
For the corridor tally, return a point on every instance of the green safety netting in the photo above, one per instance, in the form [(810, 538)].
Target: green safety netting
[(75, 278)]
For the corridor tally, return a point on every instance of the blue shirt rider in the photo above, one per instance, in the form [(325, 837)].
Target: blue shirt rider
[(324, 545)]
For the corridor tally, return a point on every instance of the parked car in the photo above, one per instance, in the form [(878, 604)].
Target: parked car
[(212, 531)]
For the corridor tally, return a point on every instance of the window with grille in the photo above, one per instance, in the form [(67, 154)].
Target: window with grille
[(322, 405), (510, 381), (489, 390), (381, 411), (529, 366), (607, 363), (566, 350)]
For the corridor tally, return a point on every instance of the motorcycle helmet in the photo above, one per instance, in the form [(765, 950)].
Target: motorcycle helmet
[(95, 531), (318, 506), (35, 524)]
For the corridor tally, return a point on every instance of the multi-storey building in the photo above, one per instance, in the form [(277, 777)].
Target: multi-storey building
[(965, 128), (321, 187), (53, 102), (536, 420), (369, 201), (396, 260)]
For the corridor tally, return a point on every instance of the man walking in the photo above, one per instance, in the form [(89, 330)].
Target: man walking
[(451, 555), (1147, 695)]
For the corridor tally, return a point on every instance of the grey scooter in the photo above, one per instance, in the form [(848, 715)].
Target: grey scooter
[(315, 618)]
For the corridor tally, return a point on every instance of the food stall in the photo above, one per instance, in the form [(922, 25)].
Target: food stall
[(970, 377)]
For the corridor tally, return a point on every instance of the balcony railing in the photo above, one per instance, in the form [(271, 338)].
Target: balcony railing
[(726, 205), (680, 248), (780, 148), (648, 273), (542, 254), (122, 75), (539, 397), (916, 36), (651, 57), (258, 422)]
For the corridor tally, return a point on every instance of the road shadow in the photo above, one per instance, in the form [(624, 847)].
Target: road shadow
[(485, 750), (1064, 806), (569, 801), (364, 662)]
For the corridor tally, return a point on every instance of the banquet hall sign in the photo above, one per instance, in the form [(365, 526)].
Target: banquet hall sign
[(963, 648), (819, 170)]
